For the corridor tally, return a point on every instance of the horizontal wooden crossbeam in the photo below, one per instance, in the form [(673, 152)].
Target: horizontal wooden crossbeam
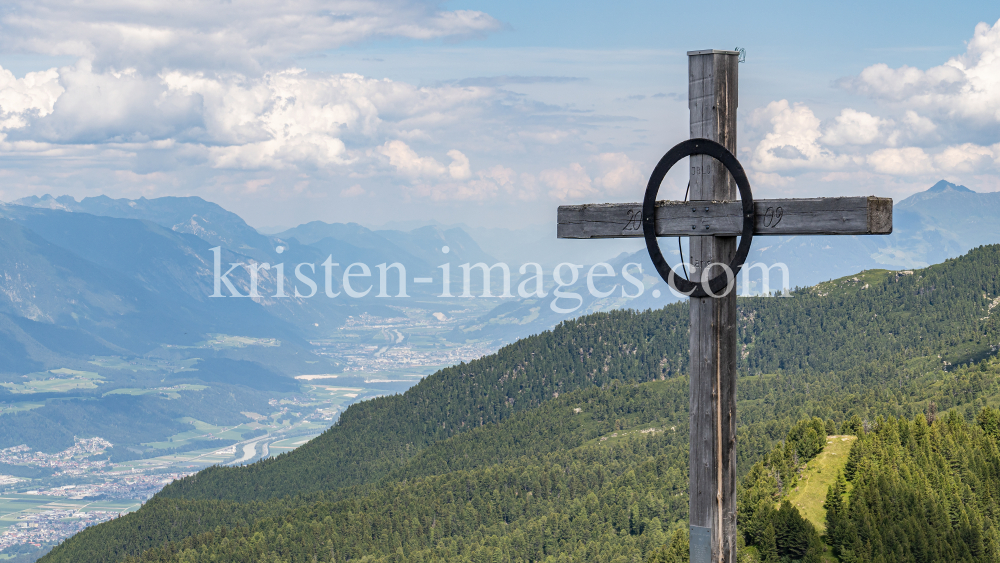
[(779, 217)]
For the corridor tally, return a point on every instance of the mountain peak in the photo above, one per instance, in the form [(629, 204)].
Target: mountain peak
[(46, 201), (944, 186)]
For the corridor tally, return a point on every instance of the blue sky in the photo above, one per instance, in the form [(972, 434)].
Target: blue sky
[(483, 112)]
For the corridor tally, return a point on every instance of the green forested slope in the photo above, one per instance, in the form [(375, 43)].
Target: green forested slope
[(552, 454), (890, 331), (598, 503), (841, 351), (768, 531), (600, 473), (920, 493), (375, 436)]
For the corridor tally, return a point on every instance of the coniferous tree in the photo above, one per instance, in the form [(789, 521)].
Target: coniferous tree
[(835, 516), (768, 545)]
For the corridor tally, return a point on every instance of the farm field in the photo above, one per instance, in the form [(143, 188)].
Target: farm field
[(15, 506), (55, 381)]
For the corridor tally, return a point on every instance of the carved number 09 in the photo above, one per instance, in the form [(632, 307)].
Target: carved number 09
[(772, 216)]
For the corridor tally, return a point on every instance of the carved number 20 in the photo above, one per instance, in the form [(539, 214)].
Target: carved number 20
[(772, 216)]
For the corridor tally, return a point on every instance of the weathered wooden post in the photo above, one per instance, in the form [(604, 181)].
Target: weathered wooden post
[(713, 219), (712, 99)]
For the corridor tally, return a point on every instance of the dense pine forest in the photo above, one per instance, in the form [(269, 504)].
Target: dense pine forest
[(571, 445)]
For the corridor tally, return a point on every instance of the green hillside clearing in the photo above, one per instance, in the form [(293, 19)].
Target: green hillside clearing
[(819, 474)]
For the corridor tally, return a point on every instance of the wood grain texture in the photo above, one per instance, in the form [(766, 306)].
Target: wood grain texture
[(879, 215), (713, 96), (774, 217)]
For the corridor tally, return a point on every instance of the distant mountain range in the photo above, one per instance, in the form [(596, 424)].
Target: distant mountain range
[(129, 283), (191, 215), (940, 223), (129, 275), (929, 227), (161, 248), (133, 279)]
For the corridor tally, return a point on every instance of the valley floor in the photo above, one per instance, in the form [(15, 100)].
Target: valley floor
[(380, 356)]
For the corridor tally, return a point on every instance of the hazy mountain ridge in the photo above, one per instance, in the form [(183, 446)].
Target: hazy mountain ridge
[(148, 241), (419, 250), (942, 222), (131, 282), (127, 282), (76, 286), (945, 221), (192, 215)]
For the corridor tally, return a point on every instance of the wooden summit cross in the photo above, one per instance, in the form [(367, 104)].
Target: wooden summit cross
[(713, 219)]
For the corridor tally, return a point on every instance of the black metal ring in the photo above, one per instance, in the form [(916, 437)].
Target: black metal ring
[(693, 147)]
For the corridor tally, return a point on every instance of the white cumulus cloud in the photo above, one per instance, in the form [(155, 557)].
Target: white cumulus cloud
[(619, 174), (347, 128), (197, 96), (569, 183), (793, 141), (907, 161), (459, 168), (610, 174), (966, 157), (966, 87), (408, 162), (938, 122), (353, 191), (853, 127), (36, 94)]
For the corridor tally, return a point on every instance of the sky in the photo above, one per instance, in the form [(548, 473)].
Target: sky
[(483, 113)]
